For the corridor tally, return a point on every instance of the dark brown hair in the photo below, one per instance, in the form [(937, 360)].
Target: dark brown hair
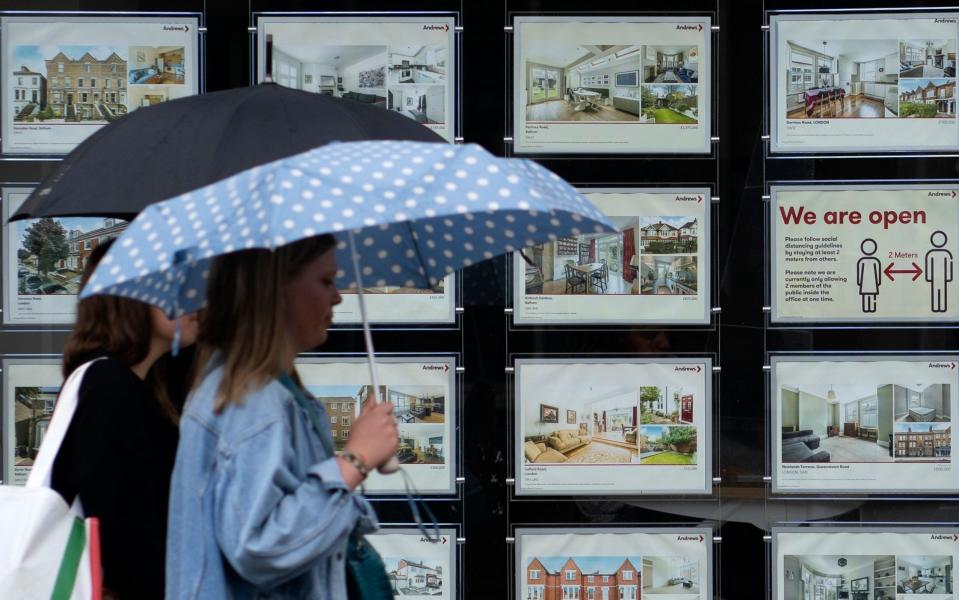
[(117, 326), (244, 318)]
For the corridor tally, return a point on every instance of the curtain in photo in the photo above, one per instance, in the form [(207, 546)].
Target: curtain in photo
[(629, 250), (592, 251)]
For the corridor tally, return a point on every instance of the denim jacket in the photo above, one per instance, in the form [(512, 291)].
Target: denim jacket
[(258, 509)]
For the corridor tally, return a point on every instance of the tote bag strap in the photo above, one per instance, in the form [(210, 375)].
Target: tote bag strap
[(42, 471)]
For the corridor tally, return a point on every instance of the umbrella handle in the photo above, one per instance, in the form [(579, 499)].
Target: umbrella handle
[(392, 465)]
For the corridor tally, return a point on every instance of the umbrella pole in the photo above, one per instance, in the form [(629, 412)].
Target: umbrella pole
[(392, 465)]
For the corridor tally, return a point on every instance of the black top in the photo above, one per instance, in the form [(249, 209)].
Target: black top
[(118, 455)]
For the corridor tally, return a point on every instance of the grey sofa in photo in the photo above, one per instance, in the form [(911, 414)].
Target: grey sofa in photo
[(802, 446)]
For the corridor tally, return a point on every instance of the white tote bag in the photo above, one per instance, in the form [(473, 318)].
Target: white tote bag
[(49, 551)]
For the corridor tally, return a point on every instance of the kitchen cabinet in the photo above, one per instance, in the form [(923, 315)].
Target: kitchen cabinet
[(892, 65)]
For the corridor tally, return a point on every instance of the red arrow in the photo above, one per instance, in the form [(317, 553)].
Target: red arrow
[(955, 537), (915, 271), (186, 28), (698, 368), (700, 538), (446, 368), (953, 193), (953, 366), (444, 539), (700, 27), (699, 199)]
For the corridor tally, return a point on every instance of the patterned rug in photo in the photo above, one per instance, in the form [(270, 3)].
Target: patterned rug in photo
[(600, 453)]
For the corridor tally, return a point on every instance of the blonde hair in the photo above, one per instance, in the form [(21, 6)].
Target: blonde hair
[(244, 319)]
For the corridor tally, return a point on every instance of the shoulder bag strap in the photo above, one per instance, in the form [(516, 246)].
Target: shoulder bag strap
[(66, 405)]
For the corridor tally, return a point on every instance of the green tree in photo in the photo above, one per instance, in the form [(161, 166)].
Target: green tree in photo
[(47, 240), (647, 97)]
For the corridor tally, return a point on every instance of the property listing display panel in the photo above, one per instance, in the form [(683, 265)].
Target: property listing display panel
[(863, 423), (864, 253), (65, 77), (654, 269), (392, 304), (30, 389), (611, 85), (613, 426), (423, 391), (629, 563), (863, 82), (402, 64), (888, 562), (418, 569), (44, 259)]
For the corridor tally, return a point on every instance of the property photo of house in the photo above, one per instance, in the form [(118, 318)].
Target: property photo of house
[(666, 407), (667, 445), (584, 578), (80, 83), (33, 408), (593, 263), (566, 82), (355, 72), (669, 104), (842, 79), (854, 577), (423, 103), (670, 576), (411, 576), (668, 275), (668, 235), (671, 64), (927, 98), (421, 444), (417, 64), (927, 58), (53, 252), (922, 442), (923, 403), (341, 404), (418, 403), (923, 574), (605, 432), (154, 65), (848, 423)]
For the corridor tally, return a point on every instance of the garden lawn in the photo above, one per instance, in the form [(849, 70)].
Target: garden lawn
[(668, 115), (670, 458)]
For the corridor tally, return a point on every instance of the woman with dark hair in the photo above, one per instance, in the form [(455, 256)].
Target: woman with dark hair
[(260, 504), (118, 453)]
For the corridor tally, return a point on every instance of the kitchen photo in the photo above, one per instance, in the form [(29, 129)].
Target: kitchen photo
[(668, 275), (424, 104), (417, 64), (842, 79), (839, 577), (603, 263), (581, 83)]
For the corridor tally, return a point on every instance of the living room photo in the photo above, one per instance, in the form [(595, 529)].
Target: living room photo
[(569, 82), (842, 78), (927, 58), (671, 64), (355, 72), (837, 423), (587, 263), (924, 574)]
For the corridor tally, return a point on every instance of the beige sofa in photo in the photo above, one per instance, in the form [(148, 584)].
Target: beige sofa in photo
[(539, 453), (567, 440)]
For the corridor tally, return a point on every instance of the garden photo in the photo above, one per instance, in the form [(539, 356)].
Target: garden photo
[(669, 104)]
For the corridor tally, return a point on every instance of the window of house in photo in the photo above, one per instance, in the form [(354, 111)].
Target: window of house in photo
[(83, 97), (93, 82), (914, 55), (34, 81), (345, 434), (852, 413), (867, 71), (534, 592), (59, 67), (570, 575), (113, 67), (345, 420), (590, 593), (534, 574), (334, 406), (86, 245), (627, 575), (605, 578), (332, 420), (590, 579), (119, 83), (870, 414), (19, 80), (80, 82), (68, 81), (86, 67), (800, 75)]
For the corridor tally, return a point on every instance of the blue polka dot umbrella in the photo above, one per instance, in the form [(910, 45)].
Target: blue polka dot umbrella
[(417, 212), (405, 214)]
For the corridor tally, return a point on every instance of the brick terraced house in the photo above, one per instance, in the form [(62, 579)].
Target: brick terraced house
[(571, 582)]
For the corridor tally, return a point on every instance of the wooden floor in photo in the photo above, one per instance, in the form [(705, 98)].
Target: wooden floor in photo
[(560, 110), (853, 107)]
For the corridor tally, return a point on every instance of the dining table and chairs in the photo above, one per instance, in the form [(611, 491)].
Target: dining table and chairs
[(586, 99), (822, 98), (586, 277)]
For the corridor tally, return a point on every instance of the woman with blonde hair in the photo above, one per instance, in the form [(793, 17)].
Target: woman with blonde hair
[(260, 504), (117, 455)]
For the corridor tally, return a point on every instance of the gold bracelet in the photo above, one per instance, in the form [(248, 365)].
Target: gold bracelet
[(356, 462)]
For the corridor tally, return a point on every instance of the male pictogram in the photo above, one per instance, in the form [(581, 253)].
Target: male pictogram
[(938, 271)]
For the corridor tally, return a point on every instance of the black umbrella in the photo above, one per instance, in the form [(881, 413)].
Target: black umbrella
[(161, 151)]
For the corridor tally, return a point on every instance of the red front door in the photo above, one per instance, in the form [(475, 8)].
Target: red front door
[(686, 414)]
